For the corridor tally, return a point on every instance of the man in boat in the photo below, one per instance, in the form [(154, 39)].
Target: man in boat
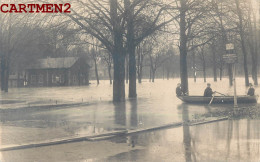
[(178, 90), (251, 90), (208, 91)]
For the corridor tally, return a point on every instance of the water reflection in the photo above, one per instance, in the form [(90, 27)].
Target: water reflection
[(248, 138), (133, 122), (232, 140), (238, 138), (229, 137), (186, 133), (120, 120), (134, 118), (120, 114)]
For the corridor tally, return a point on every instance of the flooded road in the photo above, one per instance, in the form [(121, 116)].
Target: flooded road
[(221, 141), (230, 140)]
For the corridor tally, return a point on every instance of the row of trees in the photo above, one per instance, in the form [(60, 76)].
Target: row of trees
[(127, 35), (213, 24)]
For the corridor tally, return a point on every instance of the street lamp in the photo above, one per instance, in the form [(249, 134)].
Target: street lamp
[(231, 58)]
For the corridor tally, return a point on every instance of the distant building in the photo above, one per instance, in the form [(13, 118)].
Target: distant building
[(67, 71), (15, 81)]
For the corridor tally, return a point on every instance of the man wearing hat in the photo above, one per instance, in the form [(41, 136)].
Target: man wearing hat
[(208, 91), (178, 90), (251, 90)]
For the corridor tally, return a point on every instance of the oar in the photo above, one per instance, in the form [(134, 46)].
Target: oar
[(221, 93), (212, 99)]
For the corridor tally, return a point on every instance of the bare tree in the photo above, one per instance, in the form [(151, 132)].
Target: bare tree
[(95, 53), (158, 55), (220, 14), (240, 25), (192, 15), (105, 22), (143, 19), (253, 41), (106, 57)]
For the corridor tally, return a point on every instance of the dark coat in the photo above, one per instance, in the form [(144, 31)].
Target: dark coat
[(251, 91), (179, 91), (208, 92)]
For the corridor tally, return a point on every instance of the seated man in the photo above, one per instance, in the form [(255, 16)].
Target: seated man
[(208, 91), (251, 90), (178, 90)]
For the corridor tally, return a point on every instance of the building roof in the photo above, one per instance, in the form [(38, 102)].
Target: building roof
[(54, 63)]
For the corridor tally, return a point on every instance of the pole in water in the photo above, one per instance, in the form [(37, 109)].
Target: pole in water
[(231, 58), (235, 90)]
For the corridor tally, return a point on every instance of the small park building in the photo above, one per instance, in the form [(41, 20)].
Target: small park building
[(66, 71)]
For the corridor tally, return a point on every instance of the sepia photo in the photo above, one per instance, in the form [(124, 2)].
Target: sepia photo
[(129, 81)]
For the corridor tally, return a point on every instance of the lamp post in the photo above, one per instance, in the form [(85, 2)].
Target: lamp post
[(231, 58)]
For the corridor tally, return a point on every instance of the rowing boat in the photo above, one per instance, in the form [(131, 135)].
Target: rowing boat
[(218, 99)]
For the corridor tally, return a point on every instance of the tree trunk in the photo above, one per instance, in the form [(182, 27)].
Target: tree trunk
[(132, 75), (254, 70), (183, 48), (6, 78), (139, 64), (18, 79), (126, 69), (194, 66), (139, 79), (94, 52), (220, 72), (214, 63), (255, 54), (150, 75), (119, 77), (203, 64), (163, 71), (7, 56), (140, 73), (2, 73), (230, 74), (153, 75), (131, 48), (224, 42), (109, 74), (118, 55), (242, 36), (204, 71), (96, 71)]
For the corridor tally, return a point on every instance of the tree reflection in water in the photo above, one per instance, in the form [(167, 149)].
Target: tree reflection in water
[(229, 137), (120, 120), (186, 132), (120, 114), (248, 139), (238, 139), (133, 121)]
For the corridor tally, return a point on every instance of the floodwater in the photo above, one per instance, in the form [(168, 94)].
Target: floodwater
[(230, 140)]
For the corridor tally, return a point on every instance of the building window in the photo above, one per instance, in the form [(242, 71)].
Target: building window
[(33, 79), (40, 78), (55, 78)]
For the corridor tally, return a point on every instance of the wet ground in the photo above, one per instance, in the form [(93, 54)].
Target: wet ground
[(32, 115)]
